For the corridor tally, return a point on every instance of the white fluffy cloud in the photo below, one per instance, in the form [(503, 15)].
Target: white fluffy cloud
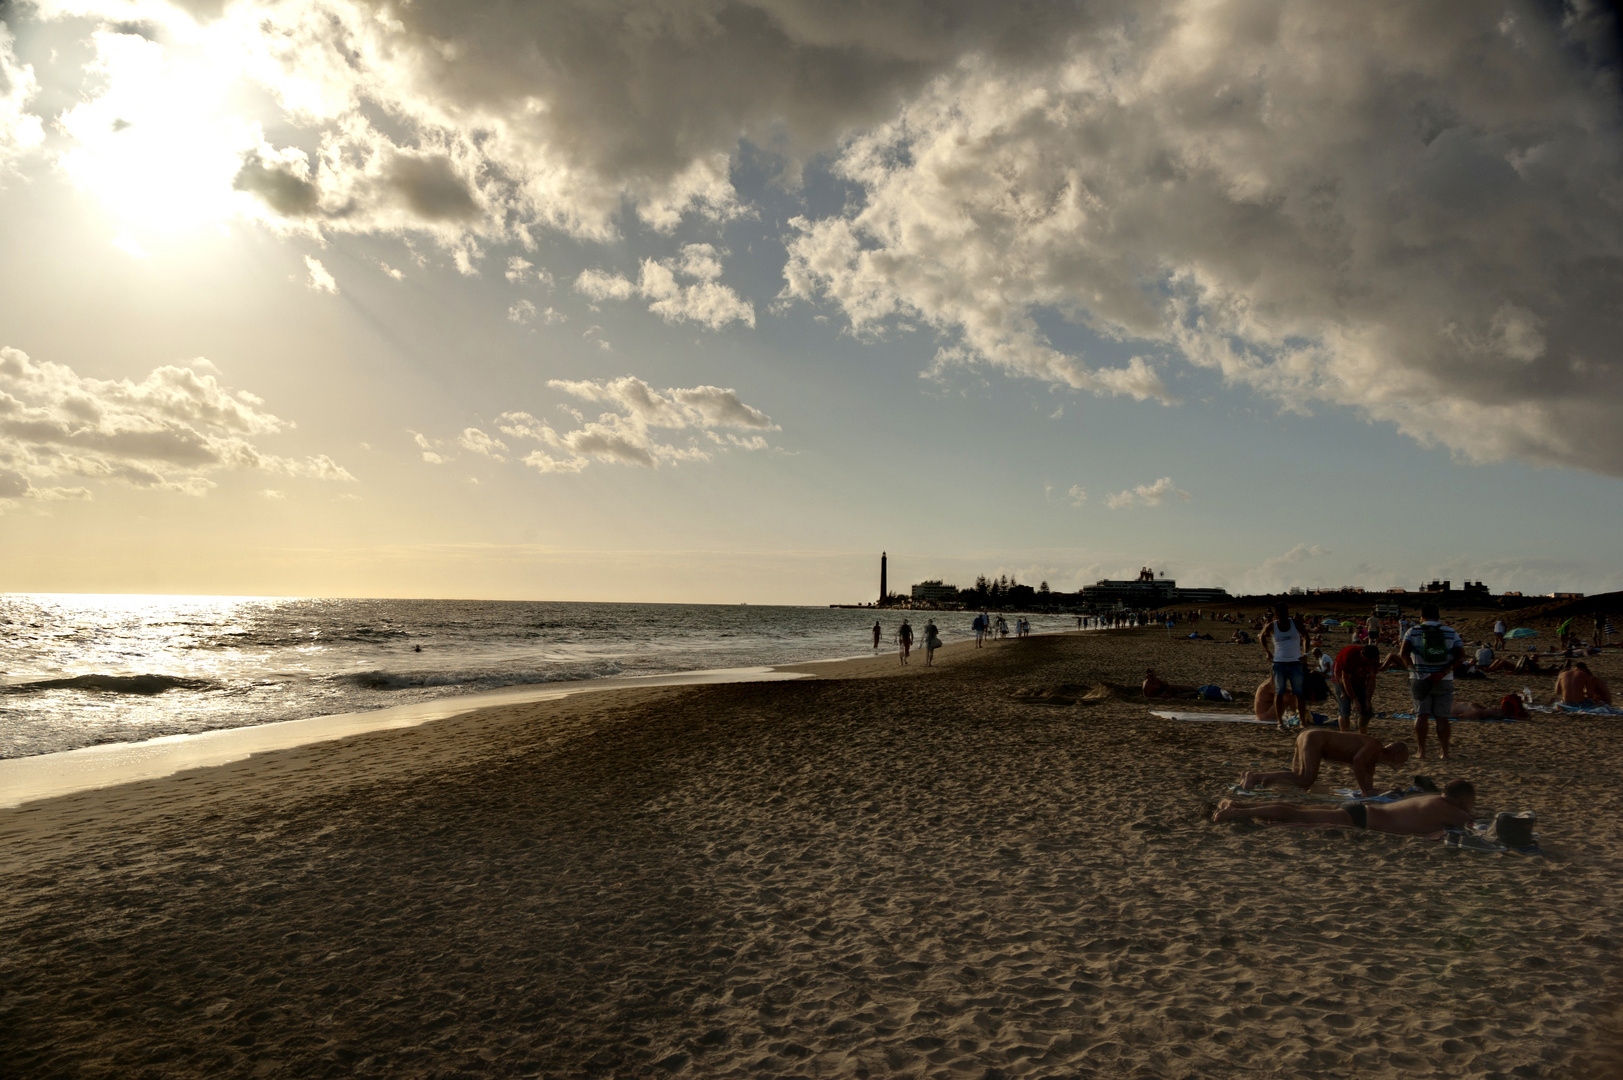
[(20, 130), (1280, 572), (168, 431), (319, 280), (429, 448), (632, 429), (1409, 210), (701, 299), (478, 442), (1412, 211), (1147, 495)]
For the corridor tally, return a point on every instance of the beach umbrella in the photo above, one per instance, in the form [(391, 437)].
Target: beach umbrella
[(1522, 631), (1331, 622)]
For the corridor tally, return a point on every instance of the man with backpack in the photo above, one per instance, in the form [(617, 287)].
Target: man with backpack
[(1430, 650)]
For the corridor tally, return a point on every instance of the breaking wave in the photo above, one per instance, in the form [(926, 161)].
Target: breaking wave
[(145, 685), (474, 680)]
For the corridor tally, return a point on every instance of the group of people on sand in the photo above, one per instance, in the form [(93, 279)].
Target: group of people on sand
[(904, 640), (1431, 652), (985, 626), (1452, 807)]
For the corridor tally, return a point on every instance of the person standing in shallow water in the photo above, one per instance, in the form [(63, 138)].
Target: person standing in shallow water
[(877, 633)]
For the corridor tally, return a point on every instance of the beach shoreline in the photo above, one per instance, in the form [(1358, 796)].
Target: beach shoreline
[(881, 870)]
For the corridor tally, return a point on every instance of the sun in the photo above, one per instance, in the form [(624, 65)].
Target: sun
[(158, 145)]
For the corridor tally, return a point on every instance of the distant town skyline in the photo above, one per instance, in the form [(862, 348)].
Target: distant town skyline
[(934, 590), (710, 303)]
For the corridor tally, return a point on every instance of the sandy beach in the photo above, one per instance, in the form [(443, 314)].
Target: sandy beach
[(1000, 866)]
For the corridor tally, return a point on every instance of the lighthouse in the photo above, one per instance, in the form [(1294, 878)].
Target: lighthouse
[(883, 592)]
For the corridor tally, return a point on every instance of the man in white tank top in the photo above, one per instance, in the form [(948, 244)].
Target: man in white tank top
[(1285, 640)]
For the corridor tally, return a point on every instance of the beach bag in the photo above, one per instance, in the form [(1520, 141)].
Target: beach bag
[(1213, 692), (1514, 830), (1433, 647)]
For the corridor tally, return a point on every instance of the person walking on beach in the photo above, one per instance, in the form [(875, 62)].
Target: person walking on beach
[(1283, 639), (904, 638), (932, 642), (1499, 630), (979, 626), (877, 633), (1431, 650)]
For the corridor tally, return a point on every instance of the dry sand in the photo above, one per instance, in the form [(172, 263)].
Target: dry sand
[(880, 872)]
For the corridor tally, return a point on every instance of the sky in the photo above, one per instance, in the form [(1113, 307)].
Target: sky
[(714, 301)]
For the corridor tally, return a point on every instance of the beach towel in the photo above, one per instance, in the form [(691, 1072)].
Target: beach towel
[(1465, 839), (1457, 719), (1480, 838), (1215, 717), (1351, 794), (1590, 710)]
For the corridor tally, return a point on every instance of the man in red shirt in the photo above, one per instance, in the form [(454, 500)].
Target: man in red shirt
[(1353, 676)]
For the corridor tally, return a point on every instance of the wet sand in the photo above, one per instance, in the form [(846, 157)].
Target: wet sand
[(877, 872)]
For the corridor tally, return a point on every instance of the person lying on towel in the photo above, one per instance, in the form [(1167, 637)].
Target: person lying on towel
[(1510, 707), (1362, 752), (1522, 665), (1454, 808), (1155, 686)]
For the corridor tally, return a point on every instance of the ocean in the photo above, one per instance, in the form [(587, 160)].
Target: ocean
[(83, 670)]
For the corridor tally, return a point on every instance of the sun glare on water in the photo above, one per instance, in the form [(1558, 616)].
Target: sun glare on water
[(157, 145)]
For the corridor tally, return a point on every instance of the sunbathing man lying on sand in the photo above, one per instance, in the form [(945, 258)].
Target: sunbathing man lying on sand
[(1523, 665), (1362, 752), (1423, 814), (1578, 686), (1154, 686), (1510, 707)]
